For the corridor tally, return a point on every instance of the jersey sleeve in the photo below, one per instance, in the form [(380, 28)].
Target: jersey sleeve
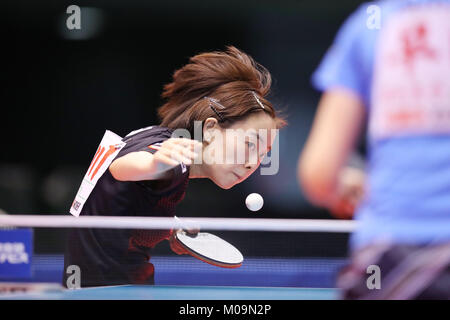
[(149, 140), (346, 62), (146, 140)]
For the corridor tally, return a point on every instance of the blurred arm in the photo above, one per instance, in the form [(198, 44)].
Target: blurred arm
[(337, 125)]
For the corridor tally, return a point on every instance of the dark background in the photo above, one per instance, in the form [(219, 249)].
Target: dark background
[(61, 89)]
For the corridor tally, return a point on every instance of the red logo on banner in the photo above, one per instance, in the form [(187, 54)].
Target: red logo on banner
[(97, 156)]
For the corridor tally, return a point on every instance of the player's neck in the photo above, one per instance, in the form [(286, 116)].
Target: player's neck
[(197, 171)]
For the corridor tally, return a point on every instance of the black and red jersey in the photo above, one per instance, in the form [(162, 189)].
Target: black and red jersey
[(121, 256)]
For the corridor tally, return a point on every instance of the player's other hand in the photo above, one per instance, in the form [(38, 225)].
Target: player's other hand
[(349, 193), (142, 166), (173, 151)]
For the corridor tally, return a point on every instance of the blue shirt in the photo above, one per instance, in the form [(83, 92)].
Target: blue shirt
[(400, 67)]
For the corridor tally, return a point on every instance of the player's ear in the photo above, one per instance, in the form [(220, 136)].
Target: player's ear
[(210, 124)]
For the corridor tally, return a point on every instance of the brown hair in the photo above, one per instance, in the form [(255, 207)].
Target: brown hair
[(231, 77)]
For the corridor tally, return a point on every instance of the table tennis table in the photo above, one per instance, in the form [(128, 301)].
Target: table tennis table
[(186, 278), (133, 292)]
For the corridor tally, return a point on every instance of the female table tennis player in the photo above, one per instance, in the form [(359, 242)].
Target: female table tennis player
[(149, 176), (395, 75)]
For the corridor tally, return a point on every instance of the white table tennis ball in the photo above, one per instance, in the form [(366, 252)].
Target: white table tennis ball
[(254, 201)]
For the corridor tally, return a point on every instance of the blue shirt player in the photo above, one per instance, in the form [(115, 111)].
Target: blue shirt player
[(389, 69)]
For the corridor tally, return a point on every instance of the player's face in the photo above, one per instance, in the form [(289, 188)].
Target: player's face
[(236, 152)]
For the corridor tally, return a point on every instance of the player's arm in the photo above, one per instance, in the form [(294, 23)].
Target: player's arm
[(142, 165), (336, 127)]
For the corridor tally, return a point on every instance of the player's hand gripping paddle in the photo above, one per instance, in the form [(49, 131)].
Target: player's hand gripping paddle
[(210, 249), (206, 246)]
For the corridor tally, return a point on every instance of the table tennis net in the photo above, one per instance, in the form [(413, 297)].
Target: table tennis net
[(277, 252)]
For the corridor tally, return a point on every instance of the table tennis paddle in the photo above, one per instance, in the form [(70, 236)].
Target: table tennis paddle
[(210, 249)]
